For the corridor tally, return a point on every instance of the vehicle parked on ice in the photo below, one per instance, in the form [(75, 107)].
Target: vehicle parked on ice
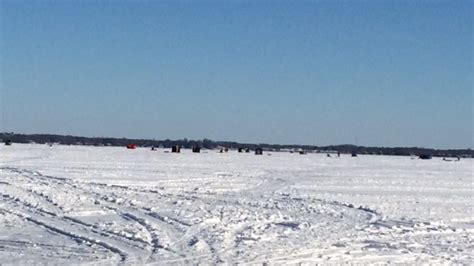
[(425, 156)]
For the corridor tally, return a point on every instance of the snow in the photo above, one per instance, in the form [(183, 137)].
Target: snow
[(110, 205)]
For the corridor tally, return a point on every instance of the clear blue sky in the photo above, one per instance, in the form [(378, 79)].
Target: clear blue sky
[(386, 73)]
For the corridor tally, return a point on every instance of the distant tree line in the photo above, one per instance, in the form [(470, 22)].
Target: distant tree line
[(210, 144)]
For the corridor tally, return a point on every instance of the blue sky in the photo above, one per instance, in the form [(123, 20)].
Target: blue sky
[(385, 73)]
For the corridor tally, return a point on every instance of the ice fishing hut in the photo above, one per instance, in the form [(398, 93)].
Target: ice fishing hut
[(196, 149), (176, 149), (8, 142), (354, 154), (258, 151), (131, 146), (240, 149)]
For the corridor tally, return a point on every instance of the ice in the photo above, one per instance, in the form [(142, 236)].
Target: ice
[(109, 205)]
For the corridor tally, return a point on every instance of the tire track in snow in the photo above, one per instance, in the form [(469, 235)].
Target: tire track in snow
[(57, 218), (90, 189), (180, 230), (86, 228), (74, 236), (42, 210)]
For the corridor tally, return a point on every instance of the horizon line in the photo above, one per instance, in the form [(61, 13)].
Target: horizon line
[(244, 143)]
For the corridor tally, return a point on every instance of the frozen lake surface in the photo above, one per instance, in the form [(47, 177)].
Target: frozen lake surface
[(110, 205)]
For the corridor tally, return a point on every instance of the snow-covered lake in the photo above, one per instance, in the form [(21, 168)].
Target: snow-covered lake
[(110, 205)]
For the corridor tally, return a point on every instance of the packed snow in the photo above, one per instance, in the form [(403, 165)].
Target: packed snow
[(110, 205)]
